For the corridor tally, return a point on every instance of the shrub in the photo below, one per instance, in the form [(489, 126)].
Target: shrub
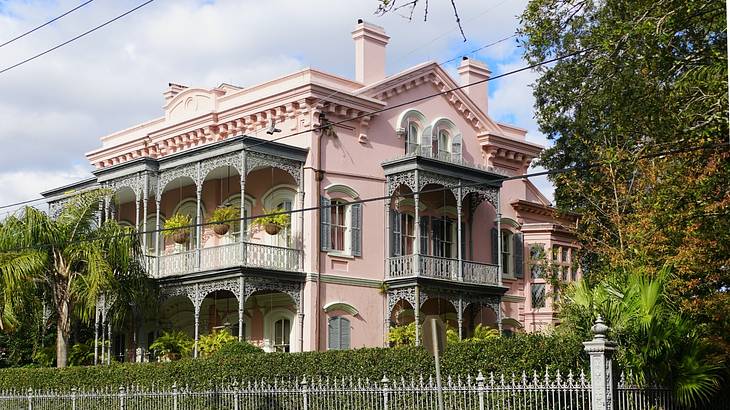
[(508, 355), (173, 345), (211, 343), (236, 349)]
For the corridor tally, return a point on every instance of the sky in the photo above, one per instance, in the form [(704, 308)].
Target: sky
[(54, 109)]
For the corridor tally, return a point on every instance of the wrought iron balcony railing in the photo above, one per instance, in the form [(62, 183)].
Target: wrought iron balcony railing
[(441, 268), (224, 256), (415, 150)]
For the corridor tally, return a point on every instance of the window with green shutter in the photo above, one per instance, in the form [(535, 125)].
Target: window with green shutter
[(338, 333)]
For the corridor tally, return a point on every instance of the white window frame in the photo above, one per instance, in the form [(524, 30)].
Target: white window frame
[(192, 202), (507, 253), (347, 227), (270, 330), (274, 197), (234, 233)]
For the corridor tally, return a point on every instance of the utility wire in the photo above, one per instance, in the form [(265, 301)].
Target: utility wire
[(493, 182), (45, 24), (75, 38), (330, 124)]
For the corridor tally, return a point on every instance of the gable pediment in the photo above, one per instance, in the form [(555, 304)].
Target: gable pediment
[(191, 103), (432, 74)]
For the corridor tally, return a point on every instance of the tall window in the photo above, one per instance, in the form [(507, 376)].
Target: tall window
[(283, 199), (338, 231), (412, 138), (565, 267), (538, 295), (341, 226), (408, 233), (537, 260), (443, 145), (444, 237), (282, 333), (236, 231), (507, 264), (338, 333), (189, 208)]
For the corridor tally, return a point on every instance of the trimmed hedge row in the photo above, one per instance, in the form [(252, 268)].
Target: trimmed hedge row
[(507, 355)]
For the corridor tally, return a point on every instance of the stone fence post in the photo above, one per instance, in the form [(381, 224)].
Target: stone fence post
[(603, 382)]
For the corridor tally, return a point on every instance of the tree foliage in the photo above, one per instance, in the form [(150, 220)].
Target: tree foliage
[(656, 342), (67, 263), (653, 79)]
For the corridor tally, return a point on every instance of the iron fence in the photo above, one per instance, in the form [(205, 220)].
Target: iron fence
[(544, 392)]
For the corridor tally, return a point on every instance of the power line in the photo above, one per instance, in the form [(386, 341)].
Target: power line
[(75, 38), (45, 24), (388, 108), (407, 195)]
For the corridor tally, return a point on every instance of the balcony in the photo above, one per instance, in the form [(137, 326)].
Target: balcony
[(415, 151), (442, 268), (246, 254)]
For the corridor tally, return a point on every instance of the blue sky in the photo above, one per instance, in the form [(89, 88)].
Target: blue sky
[(55, 108)]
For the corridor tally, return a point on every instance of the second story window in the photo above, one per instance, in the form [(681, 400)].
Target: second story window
[(412, 138), (537, 260), (338, 230), (341, 226), (507, 267), (444, 238)]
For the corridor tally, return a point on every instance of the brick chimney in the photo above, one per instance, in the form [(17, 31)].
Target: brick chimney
[(471, 71), (370, 42)]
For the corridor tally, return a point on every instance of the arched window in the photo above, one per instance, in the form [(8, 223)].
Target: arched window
[(234, 201), (338, 333), (150, 232), (412, 138), (281, 198), (409, 125), (446, 140), (282, 335), (189, 207), (341, 221)]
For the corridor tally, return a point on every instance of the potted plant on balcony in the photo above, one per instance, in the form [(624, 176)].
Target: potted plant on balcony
[(272, 221), (178, 227), (221, 219)]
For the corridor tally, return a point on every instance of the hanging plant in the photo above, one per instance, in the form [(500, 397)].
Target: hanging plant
[(222, 217), (272, 224), (178, 227)]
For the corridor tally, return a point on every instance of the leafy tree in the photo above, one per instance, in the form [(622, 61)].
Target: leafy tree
[(653, 78), (657, 343), (72, 259)]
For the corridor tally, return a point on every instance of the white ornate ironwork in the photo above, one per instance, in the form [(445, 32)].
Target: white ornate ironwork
[(402, 178), (258, 284), (165, 177), (255, 160), (135, 182), (396, 295), (228, 160), (426, 178)]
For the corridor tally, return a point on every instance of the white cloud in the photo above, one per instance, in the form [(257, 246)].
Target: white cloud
[(54, 109), (26, 185)]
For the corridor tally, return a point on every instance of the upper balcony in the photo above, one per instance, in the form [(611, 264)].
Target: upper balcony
[(196, 183)]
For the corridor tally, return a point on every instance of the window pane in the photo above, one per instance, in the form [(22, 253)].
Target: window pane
[(538, 295)]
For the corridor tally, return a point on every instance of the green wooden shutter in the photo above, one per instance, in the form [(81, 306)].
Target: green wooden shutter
[(325, 224), (356, 229), (333, 333), (519, 255), (495, 249), (395, 235), (344, 333)]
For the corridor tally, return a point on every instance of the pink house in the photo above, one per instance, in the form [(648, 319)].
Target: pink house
[(453, 238)]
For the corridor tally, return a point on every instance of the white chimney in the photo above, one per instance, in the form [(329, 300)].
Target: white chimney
[(471, 71), (370, 42)]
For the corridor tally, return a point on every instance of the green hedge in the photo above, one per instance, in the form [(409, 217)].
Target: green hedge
[(508, 355)]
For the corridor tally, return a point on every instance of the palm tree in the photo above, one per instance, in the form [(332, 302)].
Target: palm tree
[(656, 342), (73, 258)]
